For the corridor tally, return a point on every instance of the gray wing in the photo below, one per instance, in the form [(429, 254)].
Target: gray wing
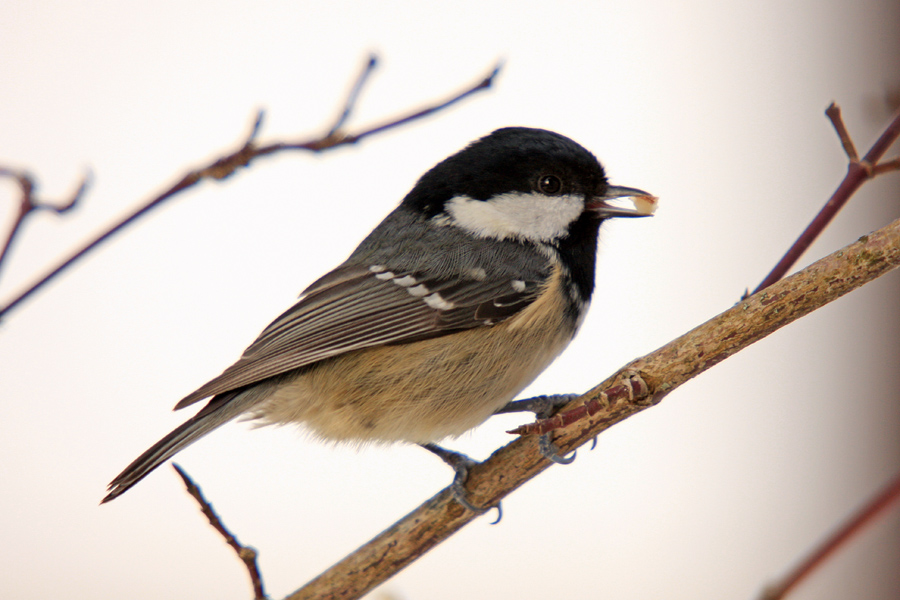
[(356, 307)]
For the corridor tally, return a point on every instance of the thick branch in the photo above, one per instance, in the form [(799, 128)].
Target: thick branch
[(663, 370)]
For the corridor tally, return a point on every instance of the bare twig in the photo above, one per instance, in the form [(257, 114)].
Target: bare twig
[(833, 112), (877, 504), (326, 142), (663, 371), (228, 164), (245, 553), (28, 204), (885, 167), (858, 171), (353, 96)]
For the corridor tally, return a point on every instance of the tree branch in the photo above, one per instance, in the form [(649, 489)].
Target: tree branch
[(663, 370), (858, 171), (28, 204), (245, 553), (243, 156), (865, 515), (353, 96)]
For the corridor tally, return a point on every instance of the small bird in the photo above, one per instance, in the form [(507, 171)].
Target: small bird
[(449, 308)]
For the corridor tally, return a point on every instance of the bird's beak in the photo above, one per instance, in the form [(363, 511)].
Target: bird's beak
[(645, 204)]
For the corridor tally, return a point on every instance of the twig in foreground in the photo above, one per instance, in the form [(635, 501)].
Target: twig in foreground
[(881, 501), (228, 164), (245, 553)]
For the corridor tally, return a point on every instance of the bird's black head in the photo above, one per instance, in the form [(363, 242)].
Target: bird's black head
[(524, 185), (517, 183), (510, 160)]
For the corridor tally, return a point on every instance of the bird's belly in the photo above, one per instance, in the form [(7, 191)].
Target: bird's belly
[(421, 391)]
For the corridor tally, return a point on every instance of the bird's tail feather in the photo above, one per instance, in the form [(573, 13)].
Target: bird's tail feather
[(216, 413)]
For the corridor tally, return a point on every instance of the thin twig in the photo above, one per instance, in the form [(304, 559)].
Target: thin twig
[(245, 553), (228, 164), (28, 204), (353, 96), (833, 112), (885, 167), (326, 142), (857, 173), (888, 495), (663, 370)]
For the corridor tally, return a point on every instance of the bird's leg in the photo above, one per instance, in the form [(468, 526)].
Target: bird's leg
[(544, 407), (461, 465)]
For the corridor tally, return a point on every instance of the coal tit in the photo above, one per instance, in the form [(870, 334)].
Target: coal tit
[(442, 315)]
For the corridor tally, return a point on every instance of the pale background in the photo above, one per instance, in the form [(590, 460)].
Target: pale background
[(715, 107)]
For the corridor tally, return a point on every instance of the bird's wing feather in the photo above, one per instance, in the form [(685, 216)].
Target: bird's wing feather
[(353, 308)]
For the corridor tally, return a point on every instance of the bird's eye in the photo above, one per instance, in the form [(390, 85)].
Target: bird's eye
[(549, 184)]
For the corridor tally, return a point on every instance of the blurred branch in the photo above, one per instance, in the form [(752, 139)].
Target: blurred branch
[(875, 506), (28, 204), (833, 112), (353, 96), (663, 371), (249, 150), (858, 171), (245, 553)]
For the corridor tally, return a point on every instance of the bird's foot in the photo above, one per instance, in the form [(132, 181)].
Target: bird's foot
[(461, 464), (544, 407)]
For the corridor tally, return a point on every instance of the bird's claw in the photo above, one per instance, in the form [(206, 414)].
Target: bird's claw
[(541, 406), (551, 452), (460, 463)]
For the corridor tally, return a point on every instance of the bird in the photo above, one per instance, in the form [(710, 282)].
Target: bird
[(440, 317)]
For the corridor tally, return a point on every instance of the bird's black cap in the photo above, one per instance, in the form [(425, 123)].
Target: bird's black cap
[(508, 160)]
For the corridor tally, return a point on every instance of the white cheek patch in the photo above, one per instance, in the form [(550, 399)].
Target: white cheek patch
[(530, 216)]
